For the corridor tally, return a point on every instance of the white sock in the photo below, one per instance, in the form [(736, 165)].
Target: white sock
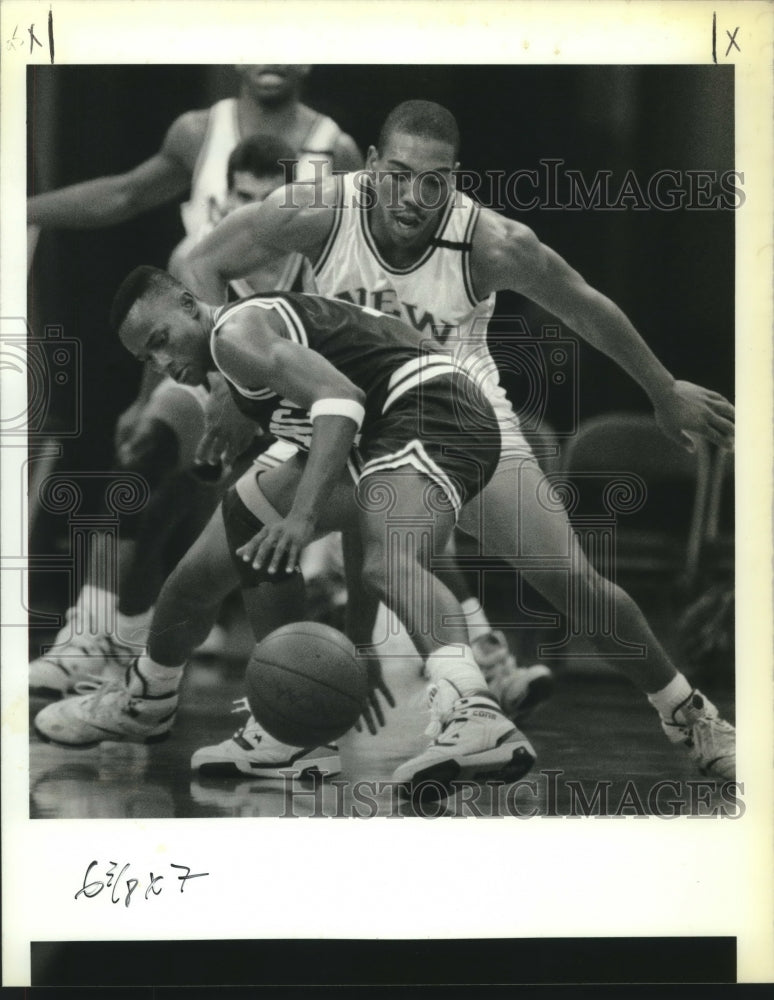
[(458, 667), (134, 628), (475, 616), (151, 678), (671, 697), (97, 608)]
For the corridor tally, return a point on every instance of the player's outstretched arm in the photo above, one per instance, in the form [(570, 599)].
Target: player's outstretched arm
[(105, 201), (508, 255), (252, 355), (297, 218)]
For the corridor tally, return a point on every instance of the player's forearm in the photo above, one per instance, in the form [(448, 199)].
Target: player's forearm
[(332, 440), (103, 201), (608, 329), (231, 250)]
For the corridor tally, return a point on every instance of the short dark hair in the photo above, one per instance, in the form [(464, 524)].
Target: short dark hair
[(425, 119), (141, 282), (260, 155)]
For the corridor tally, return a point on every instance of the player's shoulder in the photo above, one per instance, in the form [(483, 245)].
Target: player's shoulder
[(185, 136), (497, 237), (303, 212), (346, 153), (247, 318)]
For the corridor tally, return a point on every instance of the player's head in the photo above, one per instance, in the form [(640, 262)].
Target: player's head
[(158, 320), (413, 166), (256, 167), (273, 84)]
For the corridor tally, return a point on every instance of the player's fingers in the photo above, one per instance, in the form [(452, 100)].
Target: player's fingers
[(291, 560), (368, 719), (248, 550), (386, 692), (280, 548), (264, 548), (724, 426), (715, 436), (377, 708), (723, 408)]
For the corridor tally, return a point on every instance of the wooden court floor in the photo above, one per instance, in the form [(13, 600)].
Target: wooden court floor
[(599, 745)]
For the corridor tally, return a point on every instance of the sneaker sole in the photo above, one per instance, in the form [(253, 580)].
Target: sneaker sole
[(107, 738), (230, 769), (437, 780)]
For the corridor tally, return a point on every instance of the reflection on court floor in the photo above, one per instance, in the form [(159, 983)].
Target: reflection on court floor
[(600, 753)]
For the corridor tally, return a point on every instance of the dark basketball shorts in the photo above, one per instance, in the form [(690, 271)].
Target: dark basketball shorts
[(444, 428)]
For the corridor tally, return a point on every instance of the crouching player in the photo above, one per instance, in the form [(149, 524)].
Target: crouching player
[(319, 373)]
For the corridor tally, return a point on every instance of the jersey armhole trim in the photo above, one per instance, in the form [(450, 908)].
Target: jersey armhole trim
[(467, 272), (295, 331), (338, 215)]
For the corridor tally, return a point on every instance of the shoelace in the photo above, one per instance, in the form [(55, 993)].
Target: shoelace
[(96, 689), (440, 714), (110, 648)]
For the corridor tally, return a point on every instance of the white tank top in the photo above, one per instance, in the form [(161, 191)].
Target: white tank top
[(208, 183), (435, 295)]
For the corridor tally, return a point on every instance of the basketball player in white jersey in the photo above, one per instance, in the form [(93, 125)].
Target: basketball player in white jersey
[(161, 444), (398, 237)]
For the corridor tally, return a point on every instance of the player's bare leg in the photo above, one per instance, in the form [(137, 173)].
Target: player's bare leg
[(471, 738), (537, 531)]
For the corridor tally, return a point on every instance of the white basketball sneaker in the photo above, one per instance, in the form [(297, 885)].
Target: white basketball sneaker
[(74, 658), (473, 740), (108, 711), (710, 740), (519, 690), (251, 750)]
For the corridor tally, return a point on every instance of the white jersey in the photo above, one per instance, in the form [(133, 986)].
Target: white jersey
[(208, 184), (435, 295)]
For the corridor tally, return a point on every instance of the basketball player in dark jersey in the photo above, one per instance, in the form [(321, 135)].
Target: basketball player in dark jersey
[(323, 374), (392, 246)]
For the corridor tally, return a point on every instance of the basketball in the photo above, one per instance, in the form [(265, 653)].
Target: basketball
[(305, 685)]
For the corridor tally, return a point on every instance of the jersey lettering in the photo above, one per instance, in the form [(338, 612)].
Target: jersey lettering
[(385, 302)]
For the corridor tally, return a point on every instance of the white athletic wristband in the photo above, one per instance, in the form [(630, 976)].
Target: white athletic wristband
[(338, 408)]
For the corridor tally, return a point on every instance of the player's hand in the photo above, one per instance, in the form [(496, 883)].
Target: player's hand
[(227, 432), (278, 546), (373, 713), (688, 410)]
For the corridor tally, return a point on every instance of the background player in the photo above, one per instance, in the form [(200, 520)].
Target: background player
[(194, 154), (411, 244)]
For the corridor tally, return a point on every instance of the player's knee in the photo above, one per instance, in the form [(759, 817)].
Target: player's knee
[(585, 579)]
